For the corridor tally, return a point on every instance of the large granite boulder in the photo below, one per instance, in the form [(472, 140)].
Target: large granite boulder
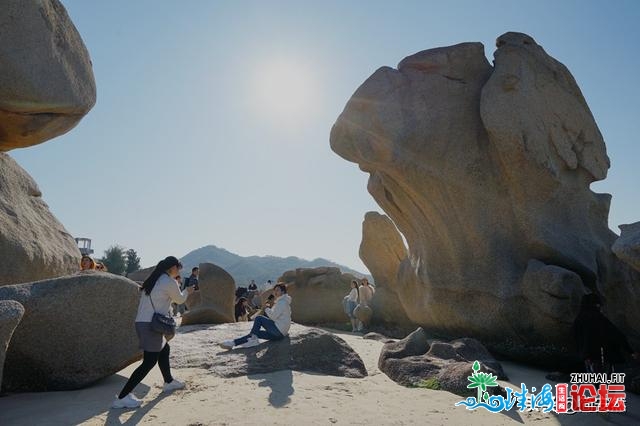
[(305, 349), (214, 302), (11, 313), (317, 294), (33, 244), (141, 274), (46, 80), (75, 330), (485, 170), (382, 251), (627, 246), (445, 365)]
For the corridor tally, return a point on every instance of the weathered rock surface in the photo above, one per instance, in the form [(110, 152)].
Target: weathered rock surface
[(75, 330), (46, 80), (413, 359), (141, 274), (486, 171), (306, 349), (379, 337), (317, 293), (214, 302), (33, 244), (11, 313), (382, 251), (627, 246)]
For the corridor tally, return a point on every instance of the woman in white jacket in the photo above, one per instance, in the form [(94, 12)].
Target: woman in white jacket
[(276, 325), (158, 291)]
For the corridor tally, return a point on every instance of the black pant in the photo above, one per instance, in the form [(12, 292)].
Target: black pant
[(148, 362)]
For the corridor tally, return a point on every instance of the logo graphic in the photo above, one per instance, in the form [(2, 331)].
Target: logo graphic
[(582, 395)]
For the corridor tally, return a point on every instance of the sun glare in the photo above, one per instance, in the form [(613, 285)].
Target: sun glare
[(285, 90)]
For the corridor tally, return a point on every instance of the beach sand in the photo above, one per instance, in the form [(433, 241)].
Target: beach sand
[(285, 398)]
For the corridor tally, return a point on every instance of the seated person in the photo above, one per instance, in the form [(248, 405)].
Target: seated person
[(276, 325), (242, 310)]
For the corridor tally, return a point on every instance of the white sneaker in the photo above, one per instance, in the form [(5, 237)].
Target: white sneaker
[(227, 344), (253, 341), (129, 401), (172, 385)]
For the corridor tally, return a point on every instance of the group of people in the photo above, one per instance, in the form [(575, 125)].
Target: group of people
[(88, 264), (599, 343), (159, 291), (359, 298)]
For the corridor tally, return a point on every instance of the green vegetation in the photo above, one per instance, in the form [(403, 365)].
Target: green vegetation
[(431, 383)]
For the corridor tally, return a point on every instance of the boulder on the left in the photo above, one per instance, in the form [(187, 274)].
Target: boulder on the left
[(75, 330), (33, 243), (10, 315)]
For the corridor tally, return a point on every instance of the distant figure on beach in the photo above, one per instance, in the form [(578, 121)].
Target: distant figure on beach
[(242, 310), (350, 302), (365, 294), (87, 263), (158, 291), (601, 345), (276, 325), (253, 295), (192, 280)]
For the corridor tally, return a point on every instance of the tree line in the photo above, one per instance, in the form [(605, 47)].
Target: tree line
[(120, 261)]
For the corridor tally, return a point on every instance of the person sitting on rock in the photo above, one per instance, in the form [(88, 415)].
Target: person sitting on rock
[(242, 310), (276, 325), (87, 263), (350, 302), (159, 290)]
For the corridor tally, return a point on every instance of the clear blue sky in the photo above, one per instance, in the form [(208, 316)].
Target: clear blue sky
[(213, 117)]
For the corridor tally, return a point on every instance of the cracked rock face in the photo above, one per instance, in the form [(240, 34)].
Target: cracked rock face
[(46, 79), (485, 170), (34, 245)]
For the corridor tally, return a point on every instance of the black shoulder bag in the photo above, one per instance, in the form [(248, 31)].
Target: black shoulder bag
[(162, 323)]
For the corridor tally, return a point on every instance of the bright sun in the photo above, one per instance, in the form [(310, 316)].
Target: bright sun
[(285, 90)]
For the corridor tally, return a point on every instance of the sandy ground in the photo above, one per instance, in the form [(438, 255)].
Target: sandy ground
[(284, 398)]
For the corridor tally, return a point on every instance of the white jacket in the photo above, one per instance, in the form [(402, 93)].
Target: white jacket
[(164, 292), (281, 313)]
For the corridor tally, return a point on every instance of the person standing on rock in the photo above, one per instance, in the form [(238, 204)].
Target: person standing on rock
[(350, 303), (159, 290), (276, 325)]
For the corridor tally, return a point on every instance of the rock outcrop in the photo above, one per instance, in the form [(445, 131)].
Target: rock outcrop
[(11, 313), (447, 365), (75, 330), (316, 294), (382, 251), (485, 170), (46, 80), (141, 274), (305, 349), (627, 246), (214, 302), (33, 244)]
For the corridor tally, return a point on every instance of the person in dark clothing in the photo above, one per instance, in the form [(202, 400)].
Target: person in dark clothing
[(192, 280), (242, 310), (600, 343)]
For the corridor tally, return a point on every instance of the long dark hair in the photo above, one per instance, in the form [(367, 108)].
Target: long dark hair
[(160, 269)]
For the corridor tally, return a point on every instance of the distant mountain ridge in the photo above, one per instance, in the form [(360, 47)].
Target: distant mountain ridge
[(258, 268)]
